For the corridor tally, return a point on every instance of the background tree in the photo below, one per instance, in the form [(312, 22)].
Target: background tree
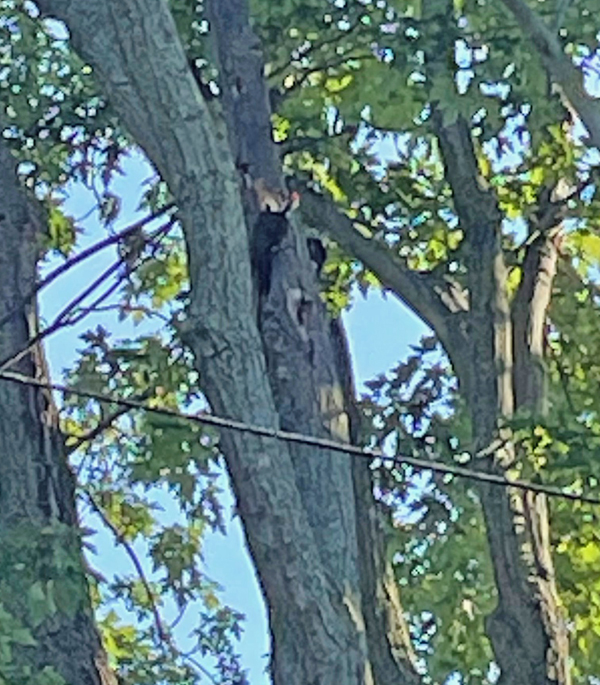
[(445, 148)]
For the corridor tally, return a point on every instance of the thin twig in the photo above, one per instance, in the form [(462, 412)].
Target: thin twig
[(120, 538), (163, 636), (85, 311), (66, 318), (315, 47), (95, 432), (129, 309), (324, 67), (199, 666), (60, 321), (83, 255)]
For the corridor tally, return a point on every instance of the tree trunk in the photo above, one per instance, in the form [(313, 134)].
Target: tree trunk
[(308, 572), (42, 581), (310, 373), (526, 629)]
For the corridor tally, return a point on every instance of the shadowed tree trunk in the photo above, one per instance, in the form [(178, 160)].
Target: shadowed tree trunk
[(47, 626), (309, 371), (496, 350), (301, 535)]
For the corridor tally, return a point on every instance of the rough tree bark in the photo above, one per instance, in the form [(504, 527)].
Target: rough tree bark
[(314, 583), (312, 591), (497, 354), (526, 629), (309, 370), (40, 547)]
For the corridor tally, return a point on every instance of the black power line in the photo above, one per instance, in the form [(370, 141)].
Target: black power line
[(299, 438)]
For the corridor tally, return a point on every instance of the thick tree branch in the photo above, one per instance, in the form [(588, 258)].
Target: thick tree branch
[(529, 310), (433, 300), (489, 318), (560, 67), (531, 302)]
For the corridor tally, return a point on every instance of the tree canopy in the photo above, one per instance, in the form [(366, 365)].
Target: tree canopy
[(446, 153)]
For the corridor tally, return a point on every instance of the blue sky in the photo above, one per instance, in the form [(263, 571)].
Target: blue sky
[(380, 330)]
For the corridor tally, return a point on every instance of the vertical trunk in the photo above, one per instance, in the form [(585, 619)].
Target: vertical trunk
[(388, 638), (525, 628), (314, 603), (529, 312), (529, 319), (42, 580), (311, 377), (300, 363)]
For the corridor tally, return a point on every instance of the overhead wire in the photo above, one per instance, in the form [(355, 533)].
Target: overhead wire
[(231, 424), (299, 438)]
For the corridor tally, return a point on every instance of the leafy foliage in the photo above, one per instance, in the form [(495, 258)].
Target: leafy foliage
[(39, 582), (356, 83), (125, 471), (353, 85)]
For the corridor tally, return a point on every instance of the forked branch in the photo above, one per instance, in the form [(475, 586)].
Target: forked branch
[(560, 68)]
